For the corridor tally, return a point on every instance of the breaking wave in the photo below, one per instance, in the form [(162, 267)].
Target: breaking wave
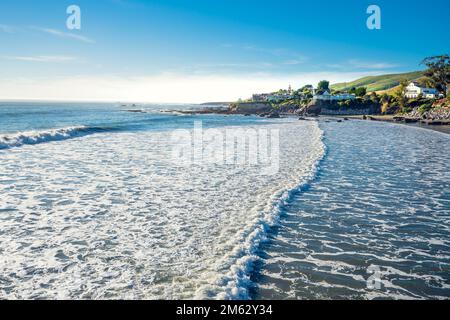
[(236, 283), (37, 137)]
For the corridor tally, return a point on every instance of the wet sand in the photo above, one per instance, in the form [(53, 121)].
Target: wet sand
[(390, 118)]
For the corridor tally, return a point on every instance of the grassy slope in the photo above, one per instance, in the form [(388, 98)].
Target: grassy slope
[(379, 83)]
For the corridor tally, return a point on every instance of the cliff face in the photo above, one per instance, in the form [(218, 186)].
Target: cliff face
[(322, 107), (250, 107), (317, 107)]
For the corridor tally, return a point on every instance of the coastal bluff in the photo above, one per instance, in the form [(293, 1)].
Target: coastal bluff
[(314, 107), (250, 107), (334, 108)]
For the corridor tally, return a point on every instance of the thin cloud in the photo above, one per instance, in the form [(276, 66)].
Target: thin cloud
[(371, 65), (42, 58), (292, 62), (67, 35), (362, 65), (277, 52), (291, 57), (233, 67), (7, 29)]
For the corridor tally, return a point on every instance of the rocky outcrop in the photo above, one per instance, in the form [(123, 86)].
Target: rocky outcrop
[(250, 107), (273, 115), (440, 110), (335, 108)]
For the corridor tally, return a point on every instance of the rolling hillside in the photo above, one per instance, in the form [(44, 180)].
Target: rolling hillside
[(379, 83)]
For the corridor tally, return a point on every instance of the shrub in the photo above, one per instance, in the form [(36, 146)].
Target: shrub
[(425, 108)]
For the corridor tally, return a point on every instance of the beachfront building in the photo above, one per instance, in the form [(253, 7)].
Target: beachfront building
[(414, 90), (336, 97)]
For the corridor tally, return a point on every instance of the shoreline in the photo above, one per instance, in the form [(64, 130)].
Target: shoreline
[(439, 126), (442, 126)]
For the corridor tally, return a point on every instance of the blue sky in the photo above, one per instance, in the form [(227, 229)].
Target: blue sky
[(197, 50)]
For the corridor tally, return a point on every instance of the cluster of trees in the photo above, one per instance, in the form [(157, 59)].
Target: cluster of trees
[(322, 87), (359, 92), (438, 72)]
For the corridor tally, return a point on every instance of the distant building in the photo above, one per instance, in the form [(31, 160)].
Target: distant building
[(290, 91), (279, 97), (260, 97), (274, 97), (414, 90), (337, 97)]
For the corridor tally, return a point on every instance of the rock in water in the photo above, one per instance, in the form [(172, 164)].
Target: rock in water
[(273, 115)]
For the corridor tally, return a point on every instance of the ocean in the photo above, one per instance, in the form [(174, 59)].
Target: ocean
[(97, 202)]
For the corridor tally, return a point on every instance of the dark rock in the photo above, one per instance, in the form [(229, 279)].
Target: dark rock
[(135, 111), (273, 115)]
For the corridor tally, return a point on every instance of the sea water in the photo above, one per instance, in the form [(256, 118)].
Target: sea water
[(92, 206), (374, 224)]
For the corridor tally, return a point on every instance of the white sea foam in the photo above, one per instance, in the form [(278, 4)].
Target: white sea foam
[(109, 216), (35, 137)]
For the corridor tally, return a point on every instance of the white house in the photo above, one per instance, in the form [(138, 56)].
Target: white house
[(414, 90)]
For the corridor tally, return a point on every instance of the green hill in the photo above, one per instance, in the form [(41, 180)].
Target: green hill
[(379, 83)]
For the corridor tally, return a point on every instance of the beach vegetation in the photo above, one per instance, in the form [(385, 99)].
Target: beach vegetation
[(385, 98), (438, 71), (323, 86), (425, 108), (359, 92), (374, 97)]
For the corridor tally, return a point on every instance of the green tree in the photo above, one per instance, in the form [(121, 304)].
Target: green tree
[(361, 91), (385, 98), (323, 86), (308, 87), (400, 92), (438, 71), (374, 97)]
